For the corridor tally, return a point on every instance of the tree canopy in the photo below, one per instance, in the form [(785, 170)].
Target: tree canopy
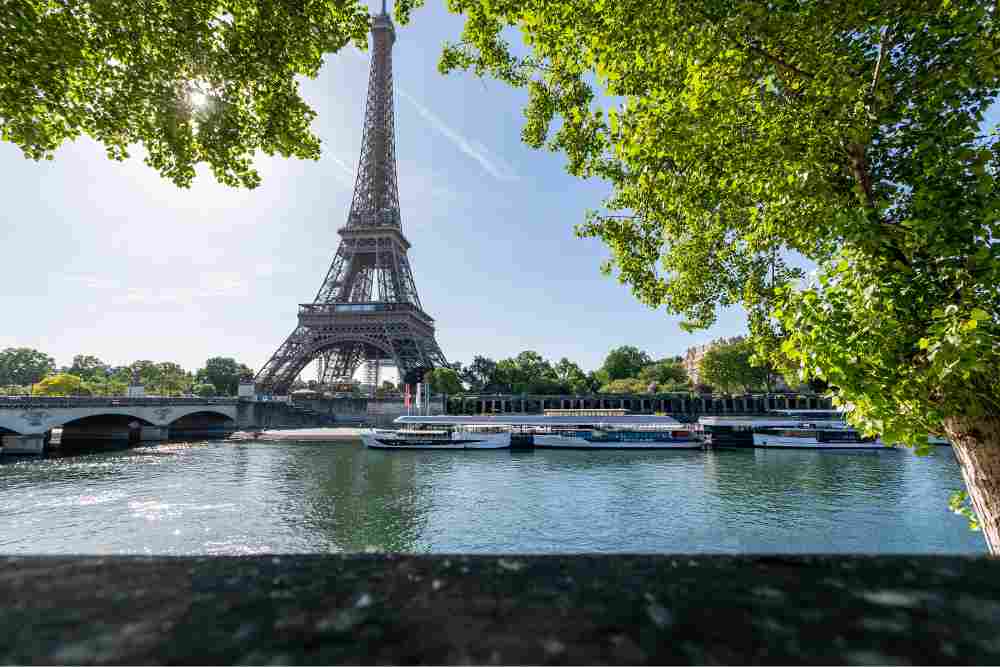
[(442, 380), (24, 366), (61, 384), (735, 133), (192, 82), (728, 366), (224, 373), (623, 362)]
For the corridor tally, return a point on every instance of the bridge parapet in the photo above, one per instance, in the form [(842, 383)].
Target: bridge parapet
[(104, 401)]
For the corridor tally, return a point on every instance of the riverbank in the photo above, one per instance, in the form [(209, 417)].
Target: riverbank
[(447, 609)]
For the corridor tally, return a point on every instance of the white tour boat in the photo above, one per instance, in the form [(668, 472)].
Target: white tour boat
[(811, 429), (438, 433), (611, 432)]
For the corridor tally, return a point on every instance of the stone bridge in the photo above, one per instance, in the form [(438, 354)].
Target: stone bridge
[(26, 423)]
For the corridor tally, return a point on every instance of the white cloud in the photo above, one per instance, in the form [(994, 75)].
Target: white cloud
[(492, 164)]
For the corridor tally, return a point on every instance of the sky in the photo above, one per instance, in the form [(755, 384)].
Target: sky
[(110, 259)]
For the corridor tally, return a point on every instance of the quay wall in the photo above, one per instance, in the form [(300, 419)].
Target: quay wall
[(304, 412), (510, 609)]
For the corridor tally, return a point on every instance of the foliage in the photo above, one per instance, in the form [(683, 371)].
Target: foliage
[(192, 82), (162, 379), (625, 362), (205, 390), (527, 373), (443, 380), (728, 366), (107, 386), (89, 368), (625, 386), (668, 372), (24, 366), (570, 377), (224, 374), (480, 374), (61, 384), (848, 132), (959, 504)]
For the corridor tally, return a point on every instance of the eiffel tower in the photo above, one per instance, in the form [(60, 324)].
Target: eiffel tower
[(367, 310)]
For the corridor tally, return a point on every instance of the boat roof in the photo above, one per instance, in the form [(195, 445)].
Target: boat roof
[(789, 420), (540, 420)]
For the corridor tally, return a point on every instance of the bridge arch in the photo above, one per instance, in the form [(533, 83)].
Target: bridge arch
[(123, 415), (111, 426), (204, 423), (180, 413)]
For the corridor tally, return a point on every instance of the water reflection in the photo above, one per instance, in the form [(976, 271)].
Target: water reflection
[(249, 497), (357, 500)]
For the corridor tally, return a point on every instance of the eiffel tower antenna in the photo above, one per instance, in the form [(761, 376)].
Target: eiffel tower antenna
[(367, 309)]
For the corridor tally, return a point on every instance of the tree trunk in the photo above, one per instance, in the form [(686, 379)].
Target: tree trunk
[(976, 442)]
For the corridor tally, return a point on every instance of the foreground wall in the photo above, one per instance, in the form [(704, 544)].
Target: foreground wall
[(327, 609)]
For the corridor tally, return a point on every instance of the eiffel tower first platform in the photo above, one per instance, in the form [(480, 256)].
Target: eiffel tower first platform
[(367, 311)]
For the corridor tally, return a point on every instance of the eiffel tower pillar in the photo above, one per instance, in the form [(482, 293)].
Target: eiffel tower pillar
[(367, 308)]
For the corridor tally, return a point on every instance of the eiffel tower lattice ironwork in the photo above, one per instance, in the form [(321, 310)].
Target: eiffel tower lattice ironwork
[(367, 310)]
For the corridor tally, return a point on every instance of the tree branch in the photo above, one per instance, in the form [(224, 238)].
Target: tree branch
[(778, 61), (885, 45)]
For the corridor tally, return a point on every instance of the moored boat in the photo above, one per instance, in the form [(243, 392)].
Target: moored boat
[(789, 429), (814, 436), (613, 432), (418, 434)]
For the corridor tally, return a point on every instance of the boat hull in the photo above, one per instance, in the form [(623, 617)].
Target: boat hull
[(548, 441), (778, 442), (467, 441)]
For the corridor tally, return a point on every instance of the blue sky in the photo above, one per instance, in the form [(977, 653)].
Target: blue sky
[(110, 259)]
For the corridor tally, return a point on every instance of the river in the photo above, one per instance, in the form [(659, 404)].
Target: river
[(239, 497)]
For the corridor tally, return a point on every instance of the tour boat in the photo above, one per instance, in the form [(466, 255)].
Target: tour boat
[(419, 433), (612, 432), (813, 436), (788, 429)]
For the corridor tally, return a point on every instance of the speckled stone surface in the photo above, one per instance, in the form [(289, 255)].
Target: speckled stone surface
[(512, 609)]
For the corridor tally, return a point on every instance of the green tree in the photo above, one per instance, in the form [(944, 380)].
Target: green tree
[(191, 82), (625, 362), (88, 367), (480, 374), (205, 390), (224, 374), (24, 366), (625, 386), (667, 372), (571, 378), (61, 384), (171, 380), (444, 381), (107, 386), (849, 132), (728, 366), (527, 373)]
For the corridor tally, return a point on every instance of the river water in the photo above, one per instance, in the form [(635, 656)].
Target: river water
[(234, 497)]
